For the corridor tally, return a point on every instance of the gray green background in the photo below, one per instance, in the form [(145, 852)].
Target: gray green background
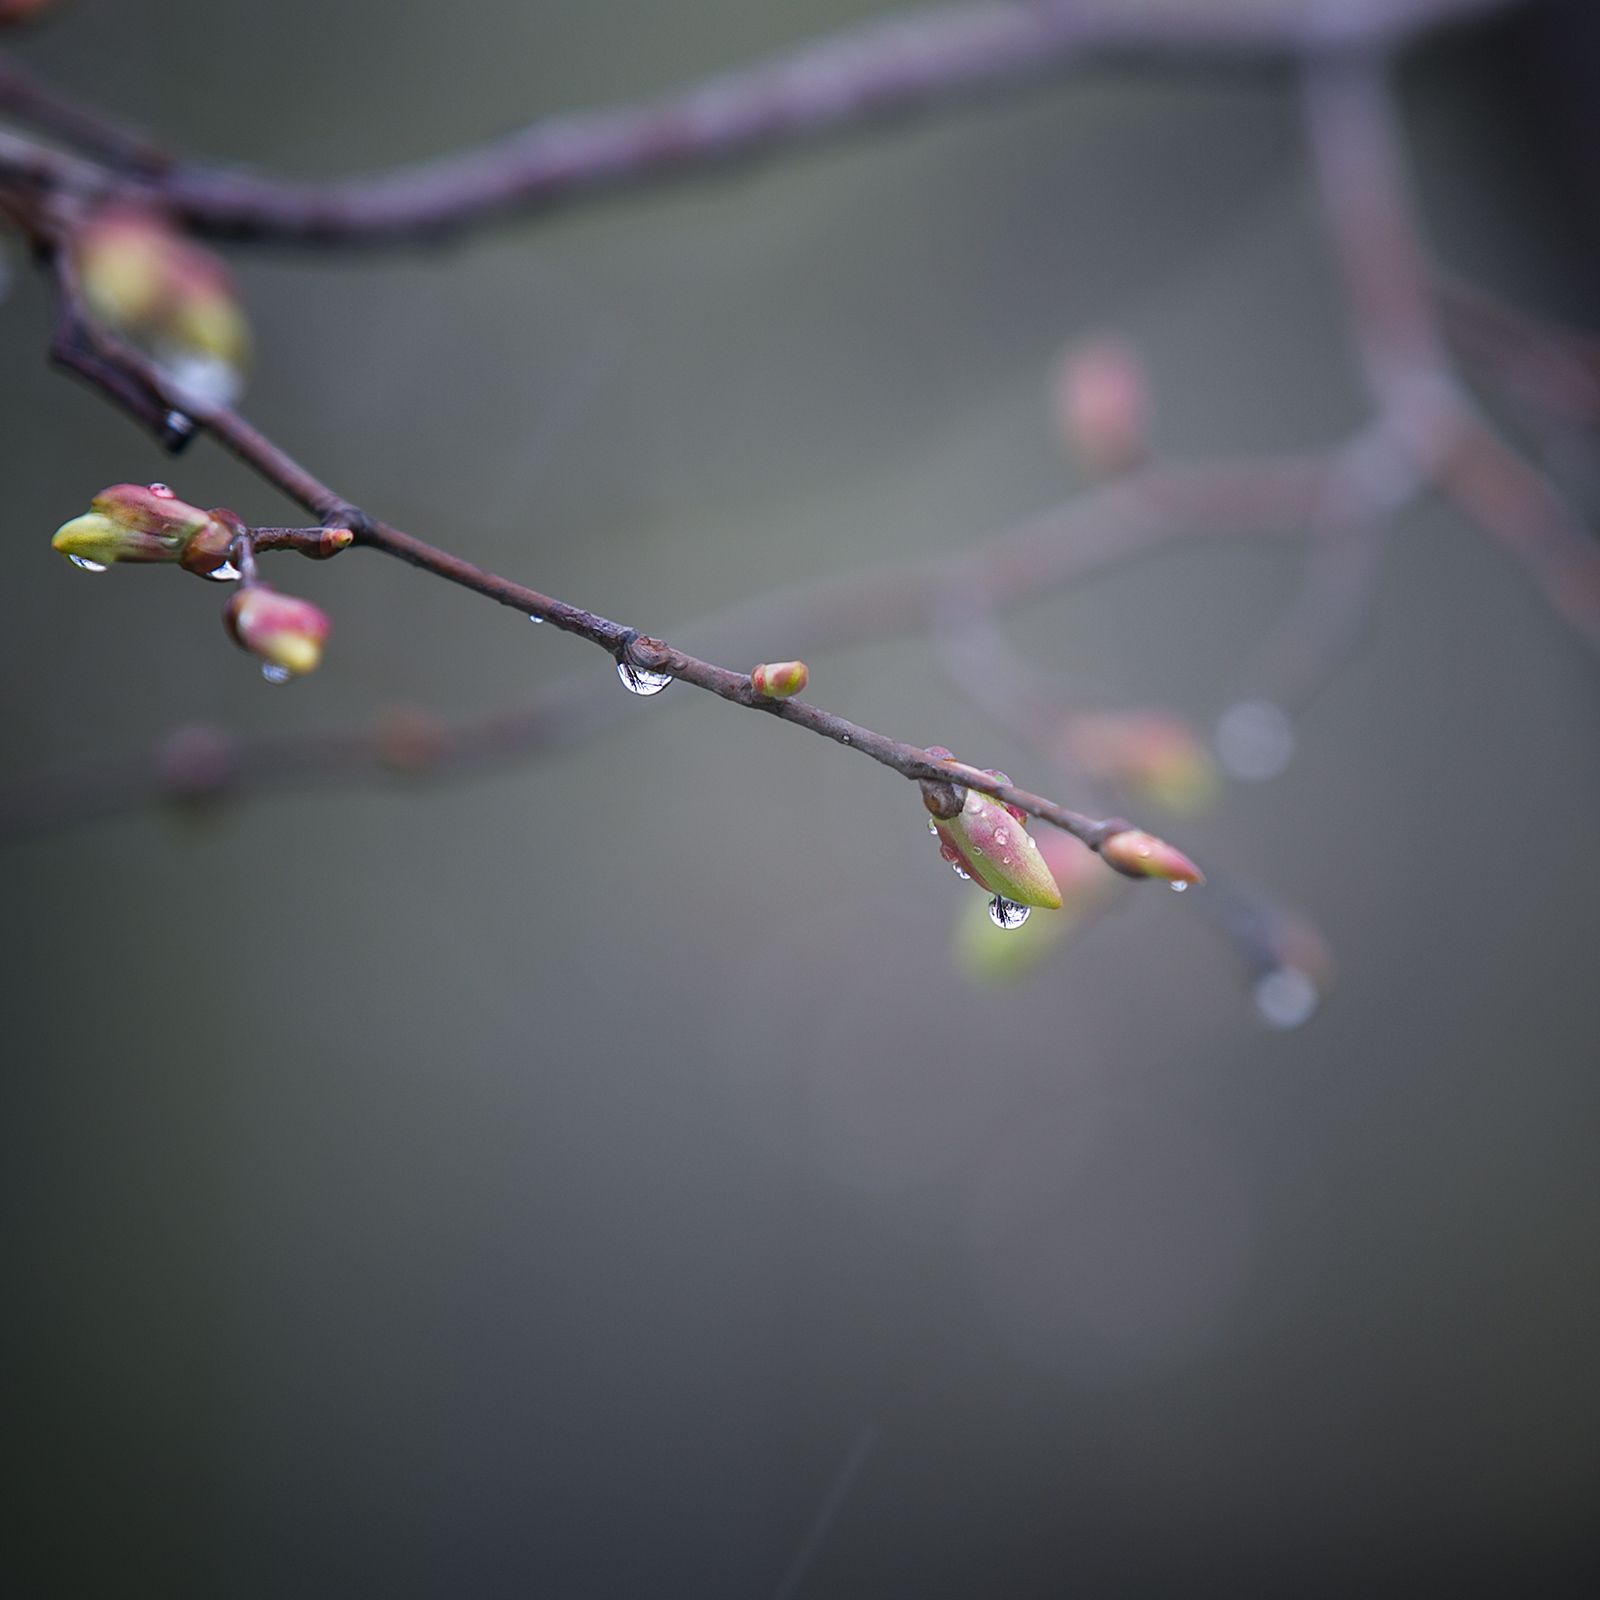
[(562, 1182)]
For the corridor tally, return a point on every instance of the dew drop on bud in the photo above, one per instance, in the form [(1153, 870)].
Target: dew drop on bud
[(1008, 914), (1285, 998), (636, 680), (964, 876), (532, 618), (84, 564), (163, 491), (274, 673), (1254, 740), (1177, 888), (226, 573)]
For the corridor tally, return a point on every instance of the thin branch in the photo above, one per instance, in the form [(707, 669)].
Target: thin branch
[(115, 361), (892, 66), (1356, 151), (85, 127)]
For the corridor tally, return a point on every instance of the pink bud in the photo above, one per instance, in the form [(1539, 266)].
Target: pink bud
[(988, 844), (285, 632), (1137, 854), (1154, 755), (1102, 405), (780, 680)]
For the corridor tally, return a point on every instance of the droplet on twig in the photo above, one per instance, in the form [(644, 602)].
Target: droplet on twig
[(84, 564), (640, 681), (274, 673)]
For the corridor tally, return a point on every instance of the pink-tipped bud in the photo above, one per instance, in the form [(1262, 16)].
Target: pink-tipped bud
[(780, 680), (283, 631), (131, 522), (142, 276), (1137, 854), (331, 543), (987, 843), (1153, 755), (1102, 406)]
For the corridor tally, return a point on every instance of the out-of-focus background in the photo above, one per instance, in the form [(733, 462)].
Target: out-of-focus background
[(595, 1179)]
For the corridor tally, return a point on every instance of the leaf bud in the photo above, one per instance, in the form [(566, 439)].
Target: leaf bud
[(285, 632), (780, 680)]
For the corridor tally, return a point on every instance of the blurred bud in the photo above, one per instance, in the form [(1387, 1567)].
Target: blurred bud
[(985, 842), (196, 764), (1152, 754), (779, 680), (1102, 406), (131, 522), (1137, 854), (142, 276), (21, 10), (285, 632), (410, 741)]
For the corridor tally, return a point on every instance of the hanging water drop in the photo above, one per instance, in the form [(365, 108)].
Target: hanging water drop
[(1178, 888), (1008, 914), (532, 618), (84, 564), (960, 872), (637, 680), (1286, 997), (274, 673), (226, 573), (177, 430)]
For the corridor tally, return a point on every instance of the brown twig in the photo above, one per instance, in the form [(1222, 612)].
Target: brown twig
[(889, 67)]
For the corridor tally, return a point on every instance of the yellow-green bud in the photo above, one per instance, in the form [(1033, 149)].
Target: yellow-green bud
[(780, 680), (283, 631), (986, 841), (131, 522)]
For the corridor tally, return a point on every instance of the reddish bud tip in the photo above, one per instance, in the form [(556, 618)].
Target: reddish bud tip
[(780, 680), (1137, 854), (1102, 405)]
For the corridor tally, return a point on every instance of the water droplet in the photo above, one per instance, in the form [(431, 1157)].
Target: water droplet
[(84, 564), (177, 430), (162, 491), (1008, 914), (201, 380), (1254, 740), (1178, 888), (931, 827), (964, 876), (274, 673), (226, 573), (636, 680), (1286, 997), (532, 618)]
